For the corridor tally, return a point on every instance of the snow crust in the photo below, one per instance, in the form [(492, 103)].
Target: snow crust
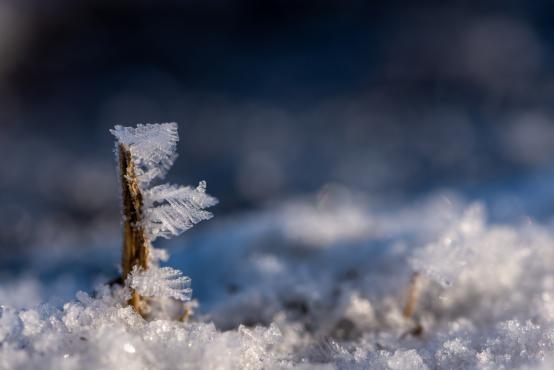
[(273, 297)]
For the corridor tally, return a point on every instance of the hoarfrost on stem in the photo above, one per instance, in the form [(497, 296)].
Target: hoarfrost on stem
[(169, 209), (165, 210)]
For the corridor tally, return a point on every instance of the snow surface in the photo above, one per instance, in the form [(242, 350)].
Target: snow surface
[(324, 290)]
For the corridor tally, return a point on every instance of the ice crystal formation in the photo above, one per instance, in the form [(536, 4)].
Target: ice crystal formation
[(160, 282), (145, 153)]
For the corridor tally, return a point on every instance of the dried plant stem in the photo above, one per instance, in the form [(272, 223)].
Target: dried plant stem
[(413, 295), (185, 315), (135, 241)]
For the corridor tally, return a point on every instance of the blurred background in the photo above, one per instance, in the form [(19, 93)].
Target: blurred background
[(274, 100)]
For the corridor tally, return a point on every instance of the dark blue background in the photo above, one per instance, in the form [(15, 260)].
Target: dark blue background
[(274, 99)]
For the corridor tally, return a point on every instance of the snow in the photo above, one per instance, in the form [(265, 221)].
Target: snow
[(447, 258), (313, 283), (336, 305), (100, 333)]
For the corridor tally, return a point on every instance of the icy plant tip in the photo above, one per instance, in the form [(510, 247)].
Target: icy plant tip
[(145, 153)]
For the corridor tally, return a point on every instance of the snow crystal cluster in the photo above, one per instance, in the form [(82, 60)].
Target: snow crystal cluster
[(103, 333)]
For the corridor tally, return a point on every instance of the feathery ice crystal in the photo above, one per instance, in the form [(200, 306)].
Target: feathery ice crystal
[(145, 153)]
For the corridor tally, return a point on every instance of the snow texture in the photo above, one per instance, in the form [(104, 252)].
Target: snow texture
[(100, 333), (270, 299), (445, 259)]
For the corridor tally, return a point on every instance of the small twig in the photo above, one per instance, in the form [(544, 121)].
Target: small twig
[(413, 295), (135, 241), (188, 310), (185, 316)]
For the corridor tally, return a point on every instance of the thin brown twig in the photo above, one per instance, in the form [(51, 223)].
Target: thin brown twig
[(135, 241), (413, 295), (185, 315)]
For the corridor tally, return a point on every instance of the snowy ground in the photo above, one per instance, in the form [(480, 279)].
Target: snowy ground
[(311, 283)]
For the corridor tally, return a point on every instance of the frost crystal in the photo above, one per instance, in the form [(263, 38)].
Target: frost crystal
[(174, 209), (161, 282), (153, 147)]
